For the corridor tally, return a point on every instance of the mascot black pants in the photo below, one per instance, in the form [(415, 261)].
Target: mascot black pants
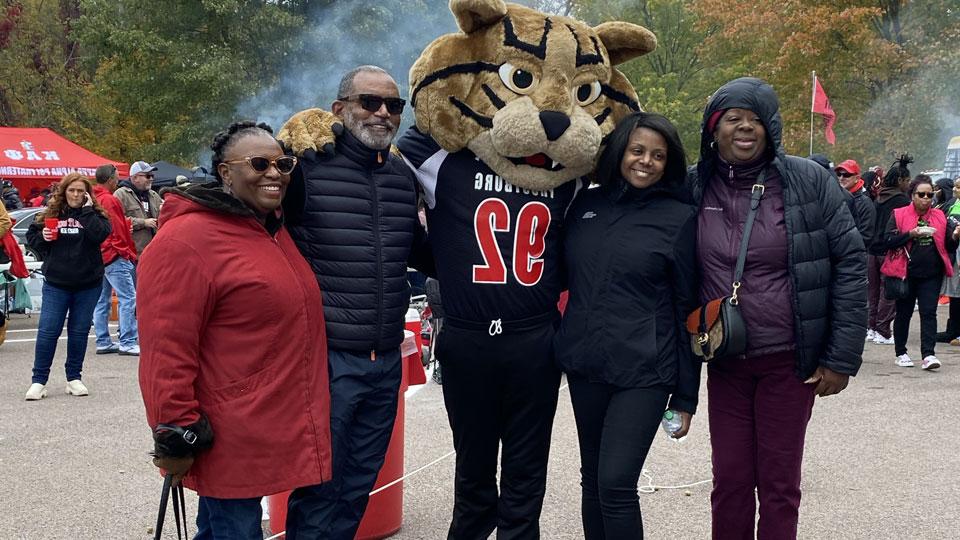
[(500, 385)]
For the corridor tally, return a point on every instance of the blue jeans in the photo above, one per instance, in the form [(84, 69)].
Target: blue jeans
[(363, 407), (56, 303), (118, 276), (229, 519)]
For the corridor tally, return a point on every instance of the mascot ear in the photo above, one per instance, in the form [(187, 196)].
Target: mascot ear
[(474, 14), (625, 41)]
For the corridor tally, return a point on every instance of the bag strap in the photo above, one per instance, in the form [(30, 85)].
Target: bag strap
[(179, 509), (756, 194)]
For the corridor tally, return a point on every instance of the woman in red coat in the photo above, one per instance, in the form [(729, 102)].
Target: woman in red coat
[(233, 365)]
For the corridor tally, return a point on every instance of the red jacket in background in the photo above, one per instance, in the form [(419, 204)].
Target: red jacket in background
[(120, 242), (231, 326)]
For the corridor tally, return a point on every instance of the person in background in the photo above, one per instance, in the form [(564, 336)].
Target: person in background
[(943, 194), (890, 197), (40, 199), (141, 205), (862, 207), (951, 285), (10, 196), (917, 235), (5, 225), (250, 383), (73, 272), (802, 296), (119, 256), (630, 252), (870, 183), (823, 161)]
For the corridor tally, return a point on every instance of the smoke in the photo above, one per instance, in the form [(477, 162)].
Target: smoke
[(342, 35)]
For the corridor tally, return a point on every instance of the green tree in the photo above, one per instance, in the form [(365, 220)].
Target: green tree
[(674, 80), (169, 74), (39, 80)]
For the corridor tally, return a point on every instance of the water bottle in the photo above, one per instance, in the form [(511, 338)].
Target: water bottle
[(672, 422)]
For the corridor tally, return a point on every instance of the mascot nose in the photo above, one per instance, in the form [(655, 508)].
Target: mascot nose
[(554, 124)]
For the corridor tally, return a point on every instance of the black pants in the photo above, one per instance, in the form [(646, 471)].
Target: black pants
[(615, 427), (925, 292), (499, 389), (363, 407)]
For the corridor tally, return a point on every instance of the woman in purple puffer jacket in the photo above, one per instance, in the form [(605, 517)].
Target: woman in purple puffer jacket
[(803, 298)]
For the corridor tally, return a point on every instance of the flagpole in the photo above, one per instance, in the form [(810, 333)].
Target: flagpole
[(813, 97)]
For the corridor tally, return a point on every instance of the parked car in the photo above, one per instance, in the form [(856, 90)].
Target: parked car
[(24, 217)]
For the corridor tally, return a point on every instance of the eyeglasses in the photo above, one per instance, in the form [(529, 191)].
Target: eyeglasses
[(924, 194), (283, 164), (845, 174), (372, 102)]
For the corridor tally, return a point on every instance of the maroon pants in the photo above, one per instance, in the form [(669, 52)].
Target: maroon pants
[(882, 311), (758, 412)]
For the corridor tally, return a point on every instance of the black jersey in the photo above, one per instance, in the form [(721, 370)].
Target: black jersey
[(496, 246)]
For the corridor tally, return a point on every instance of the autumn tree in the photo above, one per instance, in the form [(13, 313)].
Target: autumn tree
[(674, 80), (884, 64)]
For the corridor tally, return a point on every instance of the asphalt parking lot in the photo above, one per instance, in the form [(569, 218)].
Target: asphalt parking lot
[(880, 458)]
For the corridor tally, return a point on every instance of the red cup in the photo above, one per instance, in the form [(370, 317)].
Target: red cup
[(53, 224)]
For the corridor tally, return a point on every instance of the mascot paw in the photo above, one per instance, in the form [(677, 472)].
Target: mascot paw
[(312, 129)]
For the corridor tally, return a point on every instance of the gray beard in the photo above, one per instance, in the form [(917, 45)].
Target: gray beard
[(365, 135)]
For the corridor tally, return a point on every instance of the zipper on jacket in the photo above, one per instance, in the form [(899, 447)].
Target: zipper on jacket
[(378, 250), (308, 351)]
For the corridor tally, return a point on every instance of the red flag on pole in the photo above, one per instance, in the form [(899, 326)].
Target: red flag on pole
[(821, 105)]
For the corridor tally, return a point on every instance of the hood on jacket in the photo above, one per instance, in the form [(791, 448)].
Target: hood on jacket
[(207, 196), (888, 192), (744, 93), (182, 200), (945, 186)]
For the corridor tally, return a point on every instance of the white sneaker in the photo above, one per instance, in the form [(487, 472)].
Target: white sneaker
[(76, 388), (871, 335), (880, 340), (930, 362), (36, 392), (904, 361), (130, 351)]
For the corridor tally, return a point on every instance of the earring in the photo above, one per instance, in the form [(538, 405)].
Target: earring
[(713, 144)]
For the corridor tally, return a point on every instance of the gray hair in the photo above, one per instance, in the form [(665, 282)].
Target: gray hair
[(346, 83)]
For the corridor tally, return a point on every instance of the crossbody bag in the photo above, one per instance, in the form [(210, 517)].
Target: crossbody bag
[(717, 329)]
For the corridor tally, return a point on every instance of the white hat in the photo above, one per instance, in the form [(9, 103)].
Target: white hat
[(141, 167)]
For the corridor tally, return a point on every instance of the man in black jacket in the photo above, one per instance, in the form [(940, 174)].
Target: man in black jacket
[(352, 211), (863, 210)]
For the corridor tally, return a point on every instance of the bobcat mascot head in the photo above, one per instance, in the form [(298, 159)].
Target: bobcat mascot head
[(532, 95)]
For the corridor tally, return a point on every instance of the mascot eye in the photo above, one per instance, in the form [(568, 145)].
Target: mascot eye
[(516, 79), (587, 93)]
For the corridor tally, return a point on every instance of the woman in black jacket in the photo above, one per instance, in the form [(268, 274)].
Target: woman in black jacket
[(630, 255), (891, 196), (73, 275)]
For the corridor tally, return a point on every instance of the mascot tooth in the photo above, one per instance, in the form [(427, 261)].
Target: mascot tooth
[(511, 115)]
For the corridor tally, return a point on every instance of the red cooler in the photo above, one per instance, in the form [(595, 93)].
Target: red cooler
[(384, 513)]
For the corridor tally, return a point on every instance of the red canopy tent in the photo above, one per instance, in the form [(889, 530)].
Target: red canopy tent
[(34, 157)]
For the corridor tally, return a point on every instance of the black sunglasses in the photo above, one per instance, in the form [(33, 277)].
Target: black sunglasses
[(924, 194), (372, 102), (284, 164), (845, 174)]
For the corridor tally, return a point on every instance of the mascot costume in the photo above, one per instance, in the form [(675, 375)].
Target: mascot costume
[(511, 114)]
